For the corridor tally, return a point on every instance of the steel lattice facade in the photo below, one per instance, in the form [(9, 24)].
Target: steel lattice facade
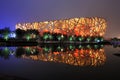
[(75, 26)]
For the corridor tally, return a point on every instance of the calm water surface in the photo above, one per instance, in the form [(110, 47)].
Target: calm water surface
[(61, 62)]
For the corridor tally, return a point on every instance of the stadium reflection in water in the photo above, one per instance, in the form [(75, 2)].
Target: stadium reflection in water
[(77, 55)]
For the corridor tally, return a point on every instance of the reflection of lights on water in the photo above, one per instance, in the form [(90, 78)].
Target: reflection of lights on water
[(12, 52), (82, 57), (71, 47), (80, 46), (98, 40), (96, 46), (88, 46), (86, 56), (59, 48), (9, 50)]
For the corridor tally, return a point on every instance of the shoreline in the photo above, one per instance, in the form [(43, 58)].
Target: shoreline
[(35, 43)]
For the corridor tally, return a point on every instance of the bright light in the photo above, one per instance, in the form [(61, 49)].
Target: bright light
[(94, 26), (12, 35)]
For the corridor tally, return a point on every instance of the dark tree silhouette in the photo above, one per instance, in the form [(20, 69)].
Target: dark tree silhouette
[(19, 33), (19, 52), (5, 32)]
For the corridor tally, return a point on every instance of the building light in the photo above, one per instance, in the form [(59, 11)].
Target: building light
[(12, 35), (94, 26)]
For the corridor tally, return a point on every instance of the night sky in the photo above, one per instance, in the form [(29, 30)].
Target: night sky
[(15, 11)]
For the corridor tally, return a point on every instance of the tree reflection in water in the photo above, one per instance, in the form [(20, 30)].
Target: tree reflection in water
[(77, 55)]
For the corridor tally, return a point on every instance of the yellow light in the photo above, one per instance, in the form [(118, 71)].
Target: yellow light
[(82, 57), (94, 26)]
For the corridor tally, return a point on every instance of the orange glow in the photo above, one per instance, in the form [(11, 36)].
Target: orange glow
[(76, 26), (82, 57), (45, 31)]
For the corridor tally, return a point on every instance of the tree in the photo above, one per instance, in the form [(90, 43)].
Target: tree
[(5, 33), (45, 36), (19, 33), (60, 37), (72, 38)]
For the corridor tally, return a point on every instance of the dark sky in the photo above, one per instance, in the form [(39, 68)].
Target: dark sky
[(15, 11)]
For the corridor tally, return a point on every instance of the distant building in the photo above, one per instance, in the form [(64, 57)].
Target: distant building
[(12, 35)]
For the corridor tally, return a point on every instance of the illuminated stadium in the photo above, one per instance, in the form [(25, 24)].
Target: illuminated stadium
[(73, 27)]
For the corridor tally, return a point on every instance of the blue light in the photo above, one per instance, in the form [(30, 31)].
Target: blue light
[(12, 35)]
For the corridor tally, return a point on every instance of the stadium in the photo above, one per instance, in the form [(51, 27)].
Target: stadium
[(73, 27)]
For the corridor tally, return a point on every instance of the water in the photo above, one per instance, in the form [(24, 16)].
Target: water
[(61, 62)]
